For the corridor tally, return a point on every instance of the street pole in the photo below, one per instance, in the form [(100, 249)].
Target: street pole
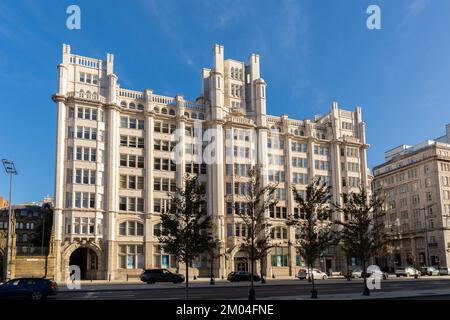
[(43, 232), (11, 170), (10, 229)]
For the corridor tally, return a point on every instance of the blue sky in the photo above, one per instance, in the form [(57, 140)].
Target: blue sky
[(312, 52)]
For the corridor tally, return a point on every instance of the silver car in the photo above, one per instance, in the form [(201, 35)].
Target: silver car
[(317, 274), (357, 273), (444, 271), (407, 272)]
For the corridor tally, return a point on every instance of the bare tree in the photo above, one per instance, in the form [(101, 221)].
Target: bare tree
[(362, 232), (186, 225), (259, 199), (313, 224)]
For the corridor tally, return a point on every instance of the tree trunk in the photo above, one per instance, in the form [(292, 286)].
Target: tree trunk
[(366, 291), (251, 295), (313, 291), (261, 269), (187, 277)]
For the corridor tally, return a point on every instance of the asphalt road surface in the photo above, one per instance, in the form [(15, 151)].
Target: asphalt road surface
[(287, 288)]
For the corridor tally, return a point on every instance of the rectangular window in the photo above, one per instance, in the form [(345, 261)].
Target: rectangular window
[(123, 181), (133, 123), (123, 203), (132, 182), (140, 162), (85, 200), (124, 122), (131, 161), (123, 141), (140, 205), (92, 201), (93, 154), (140, 183), (157, 164), (141, 143), (123, 160), (132, 142), (131, 204), (77, 199)]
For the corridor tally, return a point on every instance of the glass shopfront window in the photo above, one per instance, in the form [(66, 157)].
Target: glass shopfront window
[(280, 257), (131, 256)]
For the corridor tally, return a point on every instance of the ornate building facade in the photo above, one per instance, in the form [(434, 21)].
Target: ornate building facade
[(117, 159), (415, 181)]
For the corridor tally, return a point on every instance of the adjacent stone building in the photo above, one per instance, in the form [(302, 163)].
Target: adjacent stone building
[(415, 181), (30, 245), (117, 159), (3, 202)]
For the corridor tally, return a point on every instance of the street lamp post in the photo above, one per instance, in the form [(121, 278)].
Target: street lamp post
[(43, 233), (11, 170)]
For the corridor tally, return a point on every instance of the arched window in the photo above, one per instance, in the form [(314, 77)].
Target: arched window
[(194, 115), (132, 106), (123, 104), (232, 72), (323, 136), (131, 228), (187, 114), (140, 106), (201, 116), (25, 238), (157, 229), (296, 132), (240, 74), (164, 111), (171, 112), (156, 109), (302, 133)]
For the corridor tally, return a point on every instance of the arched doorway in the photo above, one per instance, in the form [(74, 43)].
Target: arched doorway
[(87, 260), (241, 261)]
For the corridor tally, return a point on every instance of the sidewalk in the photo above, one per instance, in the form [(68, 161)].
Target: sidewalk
[(135, 284), (373, 295), (191, 280)]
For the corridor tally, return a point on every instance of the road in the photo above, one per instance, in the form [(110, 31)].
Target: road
[(285, 288)]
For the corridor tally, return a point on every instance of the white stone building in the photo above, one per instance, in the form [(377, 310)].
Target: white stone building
[(415, 182), (114, 165)]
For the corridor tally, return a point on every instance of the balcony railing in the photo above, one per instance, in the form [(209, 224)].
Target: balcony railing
[(86, 96)]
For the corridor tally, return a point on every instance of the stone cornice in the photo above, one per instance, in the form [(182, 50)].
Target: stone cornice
[(59, 98)]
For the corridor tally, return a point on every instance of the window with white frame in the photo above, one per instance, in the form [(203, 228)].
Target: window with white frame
[(131, 256), (131, 228)]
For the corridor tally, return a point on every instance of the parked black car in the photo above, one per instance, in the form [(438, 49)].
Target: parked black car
[(161, 275), (242, 276), (28, 288)]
